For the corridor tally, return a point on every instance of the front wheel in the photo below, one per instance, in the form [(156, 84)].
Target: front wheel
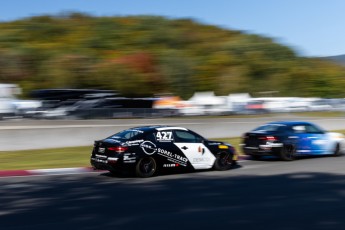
[(337, 151), (223, 161), (146, 167), (288, 153)]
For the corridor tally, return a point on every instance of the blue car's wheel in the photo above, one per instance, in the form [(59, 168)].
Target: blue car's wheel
[(288, 153), (337, 151)]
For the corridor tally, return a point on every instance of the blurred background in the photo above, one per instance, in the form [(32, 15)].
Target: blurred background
[(81, 66)]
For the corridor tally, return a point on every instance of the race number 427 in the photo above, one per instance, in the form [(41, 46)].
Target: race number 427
[(164, 136)]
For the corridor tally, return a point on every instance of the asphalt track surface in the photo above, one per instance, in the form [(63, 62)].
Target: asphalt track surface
[(308, 193), (40, 134)]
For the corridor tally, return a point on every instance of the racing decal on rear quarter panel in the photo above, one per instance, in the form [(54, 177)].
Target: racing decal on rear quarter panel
[(129, 158), (148, 147)]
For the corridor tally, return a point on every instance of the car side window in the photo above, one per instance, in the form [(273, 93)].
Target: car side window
[(306, 129), (299, 129), (186, 137), (150, 137), (313, 129)]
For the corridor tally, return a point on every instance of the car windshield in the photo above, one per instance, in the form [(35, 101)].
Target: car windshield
[(271, 128), (127, 134)]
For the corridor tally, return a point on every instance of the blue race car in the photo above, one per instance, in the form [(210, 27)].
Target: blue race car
[(289, 139)]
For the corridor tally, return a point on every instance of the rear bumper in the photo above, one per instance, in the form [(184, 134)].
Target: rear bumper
[(112, 164), (262, 150)]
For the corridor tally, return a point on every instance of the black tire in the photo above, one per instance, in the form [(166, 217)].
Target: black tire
[(288, 153), (337, 151), (223, 161), (146, 167)]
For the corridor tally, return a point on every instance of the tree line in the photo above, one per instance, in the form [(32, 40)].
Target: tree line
[(149, 55)]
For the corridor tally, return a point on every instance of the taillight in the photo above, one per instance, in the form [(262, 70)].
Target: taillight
[(118, 149), (268, 138)]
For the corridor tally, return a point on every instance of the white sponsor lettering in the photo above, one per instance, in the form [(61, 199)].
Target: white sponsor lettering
[(172, 157), (136, 142)]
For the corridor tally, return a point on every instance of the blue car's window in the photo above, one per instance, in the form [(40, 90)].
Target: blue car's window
[(271, 128), (313, 129), (306, 129), (299, 129)]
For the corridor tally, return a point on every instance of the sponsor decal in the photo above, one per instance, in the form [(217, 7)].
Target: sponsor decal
[(170, 165), (132, 143), (164, 136), (148, 147), (129, 159), (101, 156), (201, 160), (100, 160), (172, 157), (201, 150)]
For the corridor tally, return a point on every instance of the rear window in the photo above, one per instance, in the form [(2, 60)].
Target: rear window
[(128, 134), (271, 128)]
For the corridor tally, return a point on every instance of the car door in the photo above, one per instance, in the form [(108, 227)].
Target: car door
[(310, 139), (169, 154), (318, 139), (192, 146)]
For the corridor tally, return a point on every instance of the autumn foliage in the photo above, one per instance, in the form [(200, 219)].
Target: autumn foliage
[(146, 55)]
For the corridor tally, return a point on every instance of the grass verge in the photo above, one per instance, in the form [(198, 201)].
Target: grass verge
[(46, 158)]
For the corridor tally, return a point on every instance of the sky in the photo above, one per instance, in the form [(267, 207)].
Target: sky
[(312, 28)]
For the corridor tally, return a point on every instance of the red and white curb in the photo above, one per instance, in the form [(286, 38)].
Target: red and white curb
[(38, 172)]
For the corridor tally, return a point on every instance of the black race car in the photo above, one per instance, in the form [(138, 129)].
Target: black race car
[(148, 149)]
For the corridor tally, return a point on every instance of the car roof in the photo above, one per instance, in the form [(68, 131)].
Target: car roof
[(157, 127), (289, 123)]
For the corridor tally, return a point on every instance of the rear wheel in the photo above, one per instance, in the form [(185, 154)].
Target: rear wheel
[(288, 153), (146, 167), (223, 161)]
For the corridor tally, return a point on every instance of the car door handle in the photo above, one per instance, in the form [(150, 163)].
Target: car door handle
[(184, 147)]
